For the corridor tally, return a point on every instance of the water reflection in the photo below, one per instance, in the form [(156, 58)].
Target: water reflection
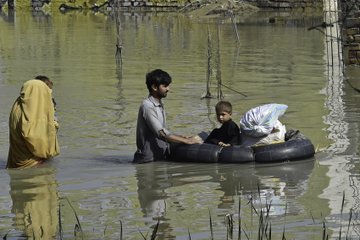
[(35, 201), (352, 103), (188, 189), (9, 17), (339, 128), (273, 180), (152, 182)]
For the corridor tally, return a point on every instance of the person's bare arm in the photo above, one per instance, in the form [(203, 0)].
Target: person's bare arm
[(180, 139)]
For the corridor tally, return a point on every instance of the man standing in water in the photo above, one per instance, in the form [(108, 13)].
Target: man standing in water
[(152, 137)]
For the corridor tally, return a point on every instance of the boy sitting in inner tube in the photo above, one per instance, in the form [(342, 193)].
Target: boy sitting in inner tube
[(229, 133)]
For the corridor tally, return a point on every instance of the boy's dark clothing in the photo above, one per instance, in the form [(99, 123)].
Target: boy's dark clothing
[(229, 132)]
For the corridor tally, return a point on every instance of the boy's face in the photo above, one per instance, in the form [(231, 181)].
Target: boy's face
[(223, 116)]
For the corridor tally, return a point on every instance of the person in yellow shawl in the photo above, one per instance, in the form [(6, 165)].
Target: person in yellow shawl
[(32, 128)]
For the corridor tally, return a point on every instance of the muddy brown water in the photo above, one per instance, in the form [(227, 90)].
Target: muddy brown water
[(97, 107)]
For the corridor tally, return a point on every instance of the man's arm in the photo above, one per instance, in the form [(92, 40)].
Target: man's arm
[(152, 120), (180, 139)]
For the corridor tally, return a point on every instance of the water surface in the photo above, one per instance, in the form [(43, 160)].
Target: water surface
[(97, 108)]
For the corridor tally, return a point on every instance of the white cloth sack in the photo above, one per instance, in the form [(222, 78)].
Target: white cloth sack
[(260, 121), (276, 136)]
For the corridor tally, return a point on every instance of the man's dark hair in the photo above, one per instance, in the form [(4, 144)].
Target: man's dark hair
[(42, 78), (223, 106), (157, 77)]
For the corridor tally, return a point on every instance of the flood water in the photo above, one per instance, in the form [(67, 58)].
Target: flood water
[(97, 103)]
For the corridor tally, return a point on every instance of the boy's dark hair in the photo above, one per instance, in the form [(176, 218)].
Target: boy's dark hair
[(223, 106), (42, 78), (157, 77)]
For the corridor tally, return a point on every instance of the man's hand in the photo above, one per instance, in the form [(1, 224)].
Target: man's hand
[(195, 140)]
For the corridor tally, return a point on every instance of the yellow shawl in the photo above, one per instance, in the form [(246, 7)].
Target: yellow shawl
[(32, 126)]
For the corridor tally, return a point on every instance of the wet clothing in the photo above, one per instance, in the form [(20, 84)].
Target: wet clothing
[(228, 133), (32, 128), (151, 146)]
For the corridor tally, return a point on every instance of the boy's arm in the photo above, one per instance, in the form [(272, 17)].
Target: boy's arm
[(234, 133), (235, 140), (212, 139)]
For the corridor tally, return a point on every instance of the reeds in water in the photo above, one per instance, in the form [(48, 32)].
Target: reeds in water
[(263, 229)]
